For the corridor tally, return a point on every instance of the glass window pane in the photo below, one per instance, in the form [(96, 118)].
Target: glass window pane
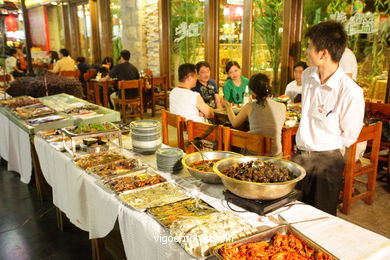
[(187, 33), (367, 25), (230, 34), (116, 20), (85, 31), (267, 39)]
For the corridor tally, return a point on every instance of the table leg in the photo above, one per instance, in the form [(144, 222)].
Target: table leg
[(105, 95), (40, 183), (97, 249), (60, 219)]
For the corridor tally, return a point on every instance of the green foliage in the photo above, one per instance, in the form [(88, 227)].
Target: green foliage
[(186, 11), (336, 6), (267, 26), (117, 47)]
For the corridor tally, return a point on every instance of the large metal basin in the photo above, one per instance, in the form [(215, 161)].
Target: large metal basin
[(256, 190), (208, 177)]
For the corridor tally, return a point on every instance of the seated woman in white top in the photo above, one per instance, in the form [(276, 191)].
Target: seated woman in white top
[(294, 88), (265, 116), (185, 102)]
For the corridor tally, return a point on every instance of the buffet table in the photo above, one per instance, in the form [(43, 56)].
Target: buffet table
[(15, 133), (94, 209)]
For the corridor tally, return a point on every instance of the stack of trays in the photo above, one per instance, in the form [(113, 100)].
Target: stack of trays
[(146, 136), (169, 159)]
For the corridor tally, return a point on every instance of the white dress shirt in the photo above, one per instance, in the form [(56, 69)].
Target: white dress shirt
[(182, 102), (292, 90), (342, 101)]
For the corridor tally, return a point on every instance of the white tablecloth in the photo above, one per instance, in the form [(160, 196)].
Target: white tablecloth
[(15, 148), (75, 193)]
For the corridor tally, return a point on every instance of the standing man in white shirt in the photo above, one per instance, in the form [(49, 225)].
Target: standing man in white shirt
[(332, 116)]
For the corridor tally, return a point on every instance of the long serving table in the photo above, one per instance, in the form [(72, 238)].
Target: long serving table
[(95, 210), (16, 136)]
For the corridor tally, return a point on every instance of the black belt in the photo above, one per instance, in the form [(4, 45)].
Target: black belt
[(310, 153)]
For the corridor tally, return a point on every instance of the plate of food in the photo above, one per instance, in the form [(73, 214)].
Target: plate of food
[(43, 120), (90, 129)]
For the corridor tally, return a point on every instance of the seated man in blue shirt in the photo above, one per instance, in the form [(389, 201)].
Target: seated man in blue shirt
[(206, 86)]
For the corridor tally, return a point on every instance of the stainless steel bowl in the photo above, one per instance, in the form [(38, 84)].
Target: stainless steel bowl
[(256, 190), (208, 177)]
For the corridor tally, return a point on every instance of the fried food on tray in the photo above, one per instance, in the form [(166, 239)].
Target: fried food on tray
[(27, 112), (91, 160), (283, 247), (114, 168), (124, 183), (19, 101)]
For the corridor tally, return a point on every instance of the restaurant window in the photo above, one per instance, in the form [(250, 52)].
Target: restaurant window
[(116, 20), (230, 34), (267, 39), (85, 31), (368, 29), (187, 33)]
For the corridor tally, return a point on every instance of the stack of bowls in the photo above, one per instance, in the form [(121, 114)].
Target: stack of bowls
[(146, 136), (169, 159)]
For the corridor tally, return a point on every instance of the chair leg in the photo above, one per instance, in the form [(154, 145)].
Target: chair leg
[(371, 184), (153, 106), (347, 194)]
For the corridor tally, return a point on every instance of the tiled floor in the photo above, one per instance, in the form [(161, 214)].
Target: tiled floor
[(28, 228)]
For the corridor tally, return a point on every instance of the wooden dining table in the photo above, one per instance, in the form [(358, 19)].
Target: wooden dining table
[(104, 85), (288, 133)]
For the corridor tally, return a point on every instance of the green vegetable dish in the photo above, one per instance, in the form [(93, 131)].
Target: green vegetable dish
[(93, 128)]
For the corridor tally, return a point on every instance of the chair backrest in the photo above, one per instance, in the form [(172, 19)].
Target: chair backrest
[(91, 73), (368, 133), (253, 142), (380, 108), (197, 129), (160, 81), (6, 78), (70, 74), (131, 84), (175, 121)]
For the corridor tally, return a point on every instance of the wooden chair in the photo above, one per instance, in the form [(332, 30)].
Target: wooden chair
[(5, 80), (70, 74), (196, 129), (159, 95), (102, 87), (253, 142), (383, 109), (147, 76), (363, 166), (176, 121), (91, 73), (134, 103)]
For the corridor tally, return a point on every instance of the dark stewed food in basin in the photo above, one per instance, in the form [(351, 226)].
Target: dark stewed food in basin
[(268, 172)]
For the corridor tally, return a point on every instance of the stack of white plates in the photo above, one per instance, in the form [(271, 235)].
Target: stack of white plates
[(146, 136), (169, 159)]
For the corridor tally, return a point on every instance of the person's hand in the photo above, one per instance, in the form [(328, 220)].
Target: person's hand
[(225, 103)]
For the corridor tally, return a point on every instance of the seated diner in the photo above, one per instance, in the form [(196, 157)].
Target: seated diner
[(265, 115), (185, 102), (235, 86)]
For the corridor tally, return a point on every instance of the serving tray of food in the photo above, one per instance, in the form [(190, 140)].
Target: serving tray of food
[(90, 129), (281, 242), (19, 102), (115, 168), (158, 195), (96, 159), (184, 209), (33, 111), (198, 235), (133, 180), (43, 120)]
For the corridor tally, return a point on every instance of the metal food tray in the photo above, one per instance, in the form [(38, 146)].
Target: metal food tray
[(66, 132), (91, 170), (267, 236), (146, 188), (145, 170), (86, 154), (159, 221)]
